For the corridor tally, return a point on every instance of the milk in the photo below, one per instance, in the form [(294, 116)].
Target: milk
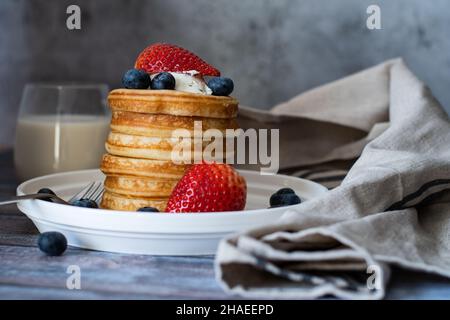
[(51, 143)]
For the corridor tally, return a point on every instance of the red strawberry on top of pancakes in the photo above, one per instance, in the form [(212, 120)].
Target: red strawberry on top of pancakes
[(163, 57)]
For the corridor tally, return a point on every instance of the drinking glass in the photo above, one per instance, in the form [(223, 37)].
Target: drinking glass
[(60, 127)]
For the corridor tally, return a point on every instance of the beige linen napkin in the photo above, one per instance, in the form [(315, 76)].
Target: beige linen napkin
[(392, 208), (329, 126)]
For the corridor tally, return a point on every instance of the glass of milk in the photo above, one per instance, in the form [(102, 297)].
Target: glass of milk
[(60, 127)]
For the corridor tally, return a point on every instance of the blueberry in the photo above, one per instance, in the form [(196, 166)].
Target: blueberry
[(85, 203), (275, 199), (136, 79), (163, 81), (281, 200), (52, 243), (148, 209), (47, 191), (221, 86), (285, 191)]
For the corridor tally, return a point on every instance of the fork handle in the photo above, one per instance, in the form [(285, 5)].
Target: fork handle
[(31, 196)]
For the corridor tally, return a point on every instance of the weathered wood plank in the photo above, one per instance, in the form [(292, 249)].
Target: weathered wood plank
[(18, 240), (111, 276), (38, 293), (417, 286), (16, 225), (118, 274), (9, 210)]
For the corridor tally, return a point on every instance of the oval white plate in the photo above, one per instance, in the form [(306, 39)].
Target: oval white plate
[(153, 233)]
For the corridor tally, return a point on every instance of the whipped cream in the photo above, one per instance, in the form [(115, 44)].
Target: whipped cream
[(189, 81)]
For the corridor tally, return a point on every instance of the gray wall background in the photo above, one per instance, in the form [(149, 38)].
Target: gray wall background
[(273, 49)]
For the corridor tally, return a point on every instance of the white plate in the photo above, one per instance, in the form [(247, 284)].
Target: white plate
[(153, 233)]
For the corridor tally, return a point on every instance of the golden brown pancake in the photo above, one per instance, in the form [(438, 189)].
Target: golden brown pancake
[(134, 146), (162, 125), (139, 166), (173, 102), (114, 165), (139, 186), (116, 201)]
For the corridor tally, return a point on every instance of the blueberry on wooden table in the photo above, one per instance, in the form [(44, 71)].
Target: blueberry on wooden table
[(52, 243)]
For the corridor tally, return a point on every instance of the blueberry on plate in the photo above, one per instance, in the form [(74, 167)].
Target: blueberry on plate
[(285, 191), (163, 81), (52, 243), (136, 79), (284, 199), (221, 86), (148, 209), (47, 191), (85, 203)]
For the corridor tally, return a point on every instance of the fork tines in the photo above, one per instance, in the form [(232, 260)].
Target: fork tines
[(92, 191)]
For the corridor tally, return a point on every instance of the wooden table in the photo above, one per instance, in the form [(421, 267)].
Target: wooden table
[(25, 273)]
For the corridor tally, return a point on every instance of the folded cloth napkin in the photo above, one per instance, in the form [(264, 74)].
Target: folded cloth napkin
[(392, 208)]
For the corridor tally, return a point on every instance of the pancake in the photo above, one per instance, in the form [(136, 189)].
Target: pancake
[(114, 165), (162, 125), (116, 201), (139, 186), (173, 102), (134, 146)]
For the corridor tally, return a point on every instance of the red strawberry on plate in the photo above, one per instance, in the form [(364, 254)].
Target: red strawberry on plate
[(160, 57), (209, 187)]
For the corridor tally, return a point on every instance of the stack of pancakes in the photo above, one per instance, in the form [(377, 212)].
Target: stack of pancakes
[(139, 167)]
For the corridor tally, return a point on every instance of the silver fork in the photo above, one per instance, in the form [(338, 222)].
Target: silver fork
[(92, 191)]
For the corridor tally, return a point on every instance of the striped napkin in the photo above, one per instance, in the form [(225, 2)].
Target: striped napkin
[(381, 142)]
